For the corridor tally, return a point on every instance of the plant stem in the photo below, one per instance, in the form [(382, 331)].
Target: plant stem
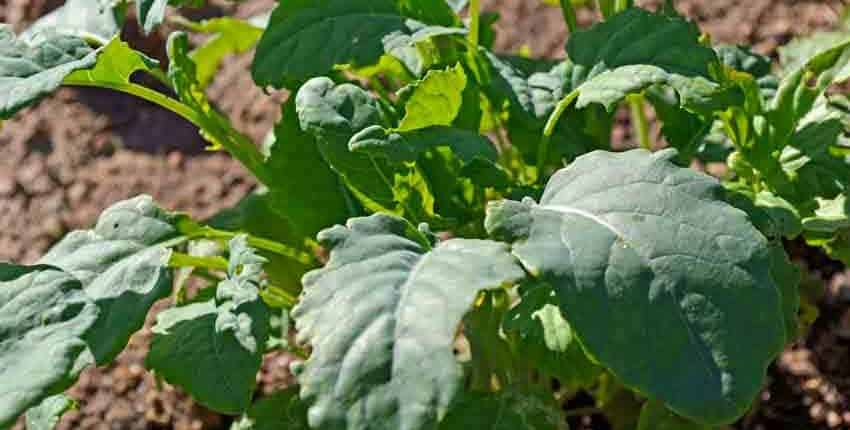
[(621, 5), (206, 232), (639, 123), (474, 24), (179, 260), (569, 15), (551, 123), (606, 7), (242, 148)]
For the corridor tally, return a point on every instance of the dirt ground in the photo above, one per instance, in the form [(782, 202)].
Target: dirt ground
[(65, 160)]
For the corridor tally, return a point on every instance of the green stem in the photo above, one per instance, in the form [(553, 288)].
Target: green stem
[(621, 5), (569, 15), (639, 123), (474, 23), (549, 129), (242, 148), (179, 260), (278, 248), (606, 7)]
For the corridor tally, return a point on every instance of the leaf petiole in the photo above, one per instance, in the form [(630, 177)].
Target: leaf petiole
[(549, 129), (569, 15)]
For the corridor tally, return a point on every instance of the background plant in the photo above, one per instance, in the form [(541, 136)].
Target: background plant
[(625, 274)]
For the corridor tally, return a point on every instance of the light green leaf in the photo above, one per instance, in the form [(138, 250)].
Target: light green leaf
[(215, 348), (800, 51), (503, 411), (46, 415), (281, 410), (655, 416), (30, 71), (457, 5), (308, 38), (227, 36), (435, 100), (151, 13), (545, 340), (87, 19), (653, 269), (45, 321), (830, 216), (116, 64), (388, 363), (121, 263), (413, 47)]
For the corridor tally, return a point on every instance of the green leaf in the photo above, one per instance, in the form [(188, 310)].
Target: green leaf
[(45, 321), (46, 415), (151, 13), (653, 269), (409, 145), (214, 349), (800, 51), (87, 19), (308, 38), (787, 277), (545, 340), (800, 89), (389, 364), (435, 100), (414, 47), (333, 114), (457, 5), (122, 264), (116, 64), (503, 411), (655, 416), (830, 216), (281, 410), (305, 191), (227, 36), (636, 49), (31, 70)]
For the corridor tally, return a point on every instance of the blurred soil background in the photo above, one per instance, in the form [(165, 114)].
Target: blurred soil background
[(66, 159)]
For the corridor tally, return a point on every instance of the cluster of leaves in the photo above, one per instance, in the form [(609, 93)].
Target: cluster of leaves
[(404, 226)]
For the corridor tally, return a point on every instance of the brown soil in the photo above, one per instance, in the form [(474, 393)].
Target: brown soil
[(65, 160)]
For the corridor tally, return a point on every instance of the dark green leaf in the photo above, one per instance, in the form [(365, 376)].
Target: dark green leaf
[(503, 411), (388, 363), (279, 411), (214, 349), (45, 321), (655, 416), (654, 269), (308, 38), (121, 263)]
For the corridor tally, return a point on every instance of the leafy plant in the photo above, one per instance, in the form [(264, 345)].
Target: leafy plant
[(448, 227)]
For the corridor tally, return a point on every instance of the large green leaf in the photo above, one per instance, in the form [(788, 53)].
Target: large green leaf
[(408, 146), (308, 38), (45, 321), (503, 411), (658, 276), (545, 341), (30, 71), (46, 415), (388, 362), (122, 264), (214, 349)]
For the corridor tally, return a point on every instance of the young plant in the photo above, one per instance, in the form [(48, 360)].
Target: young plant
[(447, 227)]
